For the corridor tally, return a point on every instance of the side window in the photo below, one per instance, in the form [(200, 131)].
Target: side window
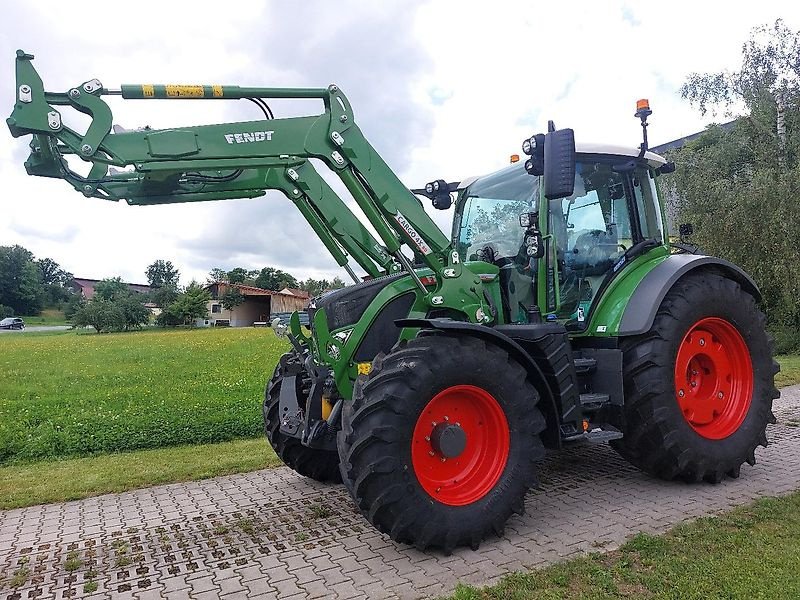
[(647, 205)]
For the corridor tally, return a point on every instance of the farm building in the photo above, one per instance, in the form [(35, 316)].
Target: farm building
[(257, 307), (85, 287)]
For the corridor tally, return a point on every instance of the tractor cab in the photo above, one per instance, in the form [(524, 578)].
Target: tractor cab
[(612, 216)]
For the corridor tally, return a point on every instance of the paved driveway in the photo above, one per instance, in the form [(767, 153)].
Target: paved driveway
[(273, 534)]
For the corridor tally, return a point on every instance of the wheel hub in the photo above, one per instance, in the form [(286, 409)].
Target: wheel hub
[(713, 378), (460, 445), (448, 440)]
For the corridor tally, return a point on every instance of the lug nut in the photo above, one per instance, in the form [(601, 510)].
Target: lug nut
[(720, 395), (430, 452), (427, 438), (444, 459), (681, 393), (702, 341)]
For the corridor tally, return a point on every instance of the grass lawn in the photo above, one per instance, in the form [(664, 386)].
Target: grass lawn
[(46, 317), (751, 552), (76, 478), (790, 370), (72, 395)]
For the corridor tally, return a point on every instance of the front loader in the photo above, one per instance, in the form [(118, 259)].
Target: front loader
[(557, 307)]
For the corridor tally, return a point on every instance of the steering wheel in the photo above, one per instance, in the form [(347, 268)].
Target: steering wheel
[(593, 252)]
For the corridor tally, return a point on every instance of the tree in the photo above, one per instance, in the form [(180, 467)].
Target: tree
[(232, 298), (237, 275), (191, 304), (50, 271), (274, 279), (217, 275), (103, 315), (111, 288), (134, 313), (162, 273), (20, 281), (54, 282), (315, 287), (739, 186)]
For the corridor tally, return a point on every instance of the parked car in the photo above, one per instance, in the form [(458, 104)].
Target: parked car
[(12, 323), (285, 316)]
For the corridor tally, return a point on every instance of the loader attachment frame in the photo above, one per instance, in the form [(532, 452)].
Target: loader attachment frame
[(241, 160)]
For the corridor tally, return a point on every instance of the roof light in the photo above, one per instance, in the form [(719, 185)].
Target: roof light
[(643, 109), (514, 158)]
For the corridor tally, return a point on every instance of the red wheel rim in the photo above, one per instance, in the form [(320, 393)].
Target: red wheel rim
[(713, 378), (469, 476)]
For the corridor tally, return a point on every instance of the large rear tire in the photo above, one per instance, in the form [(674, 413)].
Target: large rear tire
[(322, 465), (699, 385), (439, 445)]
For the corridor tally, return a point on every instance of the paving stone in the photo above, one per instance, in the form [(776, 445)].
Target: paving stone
[(237, 536)]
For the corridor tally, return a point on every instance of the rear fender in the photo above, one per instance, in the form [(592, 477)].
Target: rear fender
[(552, 435), (640, 312)]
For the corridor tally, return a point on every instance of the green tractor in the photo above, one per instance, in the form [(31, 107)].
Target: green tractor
[(558, 307)]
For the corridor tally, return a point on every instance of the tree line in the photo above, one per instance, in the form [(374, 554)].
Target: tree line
[(28, 285), (739, 185)]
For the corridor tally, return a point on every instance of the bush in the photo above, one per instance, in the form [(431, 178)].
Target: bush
[(6, 311), (787, 340)]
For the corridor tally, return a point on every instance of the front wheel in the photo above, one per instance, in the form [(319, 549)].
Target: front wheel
[(322, 465), (699, 385), (440, 443)]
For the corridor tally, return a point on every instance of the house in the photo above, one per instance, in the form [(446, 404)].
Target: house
[(257, 307), (295, 292), (85, 287)]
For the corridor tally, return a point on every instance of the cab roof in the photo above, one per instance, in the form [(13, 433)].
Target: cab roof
[(653, 159)]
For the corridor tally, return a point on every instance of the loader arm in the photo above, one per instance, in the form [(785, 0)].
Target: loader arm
[(241, 160)]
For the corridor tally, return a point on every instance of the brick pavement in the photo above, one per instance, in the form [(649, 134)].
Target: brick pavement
[(271, 533)]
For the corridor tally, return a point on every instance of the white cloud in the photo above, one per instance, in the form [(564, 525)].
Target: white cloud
[(440, 89)]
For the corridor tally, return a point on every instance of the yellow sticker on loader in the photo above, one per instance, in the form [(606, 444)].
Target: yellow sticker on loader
[(364, 368), (184, 91)]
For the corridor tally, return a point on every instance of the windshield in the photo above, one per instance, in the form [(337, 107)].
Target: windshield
[(490, 212)]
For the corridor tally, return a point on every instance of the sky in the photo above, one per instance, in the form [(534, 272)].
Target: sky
[(442, 90)]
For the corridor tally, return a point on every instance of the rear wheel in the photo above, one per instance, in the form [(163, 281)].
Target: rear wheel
[(699, 385), (322, 465), (439, 445)]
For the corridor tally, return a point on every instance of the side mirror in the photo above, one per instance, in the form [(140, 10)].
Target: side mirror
[(559, 164), (666, 168)]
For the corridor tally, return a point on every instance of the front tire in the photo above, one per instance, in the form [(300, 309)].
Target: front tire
[(699, 385), (440, 443), (321, 465)]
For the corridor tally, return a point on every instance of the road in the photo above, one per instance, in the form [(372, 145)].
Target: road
[(37, 328), (271, 533)]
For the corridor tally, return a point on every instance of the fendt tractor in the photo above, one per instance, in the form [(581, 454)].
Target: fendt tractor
[(431, 387)]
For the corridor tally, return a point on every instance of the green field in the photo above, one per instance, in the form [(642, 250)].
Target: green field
[(77, 395)]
